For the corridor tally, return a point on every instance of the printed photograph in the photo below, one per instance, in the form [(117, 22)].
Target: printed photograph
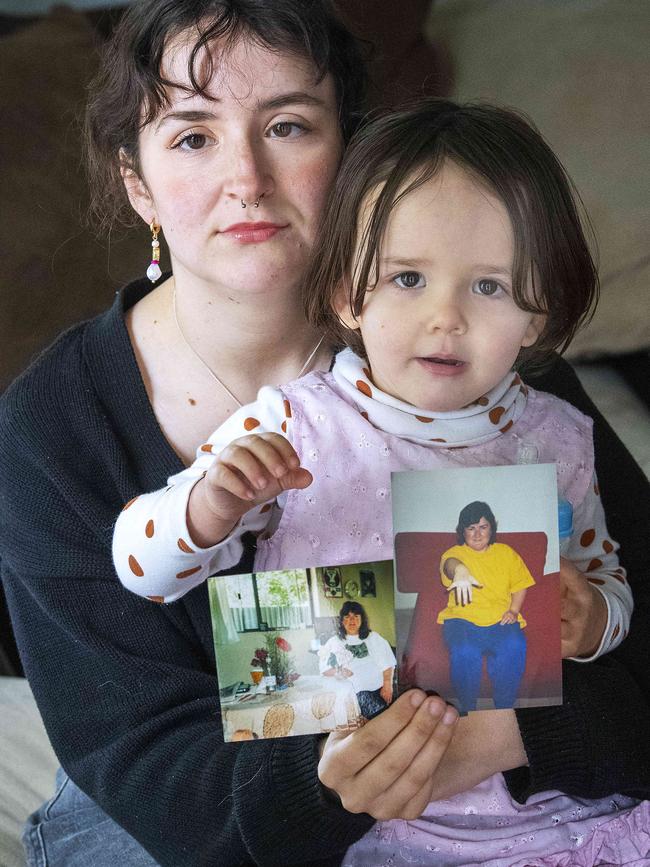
[(298, 652), (477, 585)]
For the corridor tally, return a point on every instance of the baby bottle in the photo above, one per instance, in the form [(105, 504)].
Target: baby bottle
[(527, 453)]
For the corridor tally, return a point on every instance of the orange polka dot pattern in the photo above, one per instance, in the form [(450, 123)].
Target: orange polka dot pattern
[(188, 572), (495, 414), (135, 567), (587, 538)]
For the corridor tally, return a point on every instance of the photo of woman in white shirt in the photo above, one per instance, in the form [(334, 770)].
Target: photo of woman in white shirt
[(363, 655)]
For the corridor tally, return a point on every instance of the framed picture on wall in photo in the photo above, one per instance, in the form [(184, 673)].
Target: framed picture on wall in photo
[(332, 585), (367, 579)]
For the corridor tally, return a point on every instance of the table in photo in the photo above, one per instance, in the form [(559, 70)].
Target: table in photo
[(313, 705)]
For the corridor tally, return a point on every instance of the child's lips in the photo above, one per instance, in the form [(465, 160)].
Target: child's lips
[(443, 365)]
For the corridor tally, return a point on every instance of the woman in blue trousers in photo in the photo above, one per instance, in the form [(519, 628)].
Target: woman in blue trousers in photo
[(486, 582)]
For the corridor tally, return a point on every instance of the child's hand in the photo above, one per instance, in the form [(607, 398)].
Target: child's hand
[(248, 472), (584, 612), (508, 617), (387, 767)]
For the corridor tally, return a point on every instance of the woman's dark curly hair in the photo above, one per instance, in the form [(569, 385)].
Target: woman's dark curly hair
[(354, 608), (129, 91)]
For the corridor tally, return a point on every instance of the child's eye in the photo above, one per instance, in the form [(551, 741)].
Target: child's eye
[(193, 141), (410, 280), (286, 129), (487, 287)]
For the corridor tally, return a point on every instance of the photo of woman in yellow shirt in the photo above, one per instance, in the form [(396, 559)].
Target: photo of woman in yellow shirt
[(486, 583)]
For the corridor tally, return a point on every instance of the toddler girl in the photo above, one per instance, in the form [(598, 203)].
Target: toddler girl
[(451, 250)]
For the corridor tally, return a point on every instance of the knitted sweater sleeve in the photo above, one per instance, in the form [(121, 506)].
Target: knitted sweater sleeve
[(128, 690), (153, 552)]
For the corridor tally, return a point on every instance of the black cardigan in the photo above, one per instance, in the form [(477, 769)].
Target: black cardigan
[(127, 689)]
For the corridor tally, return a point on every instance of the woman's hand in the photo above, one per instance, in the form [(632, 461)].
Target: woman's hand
[(583, 612), (516, 601), (248, 472), (462, 583), (386, 768)]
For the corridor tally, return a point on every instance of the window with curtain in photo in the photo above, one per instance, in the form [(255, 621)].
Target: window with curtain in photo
[(269, 600)]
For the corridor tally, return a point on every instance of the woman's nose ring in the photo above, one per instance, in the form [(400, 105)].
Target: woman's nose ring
[(255, 204)]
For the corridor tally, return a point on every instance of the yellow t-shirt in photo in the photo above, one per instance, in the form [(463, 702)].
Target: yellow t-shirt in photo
[(500, 570)]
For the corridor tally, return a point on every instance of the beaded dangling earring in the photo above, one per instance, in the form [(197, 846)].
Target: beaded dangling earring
[(153, 271)]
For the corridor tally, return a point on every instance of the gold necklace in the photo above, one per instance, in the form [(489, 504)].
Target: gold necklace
[(214, 376)]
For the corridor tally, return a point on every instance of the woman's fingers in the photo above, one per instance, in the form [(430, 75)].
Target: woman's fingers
[(414, 808), (386, 766), (462, 585), (398, 764), (345, 755)]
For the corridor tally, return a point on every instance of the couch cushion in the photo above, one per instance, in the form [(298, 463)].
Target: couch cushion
[(577, 68)]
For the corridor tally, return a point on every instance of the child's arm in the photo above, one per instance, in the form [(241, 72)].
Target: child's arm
[(169, 541), (596, 599)]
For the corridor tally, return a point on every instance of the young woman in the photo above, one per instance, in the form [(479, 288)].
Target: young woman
[(127, 689)]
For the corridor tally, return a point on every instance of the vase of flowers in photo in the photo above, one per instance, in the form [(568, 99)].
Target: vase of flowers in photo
[(276, 663)]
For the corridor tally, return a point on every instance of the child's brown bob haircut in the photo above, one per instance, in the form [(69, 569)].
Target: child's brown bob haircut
[(400, 151)]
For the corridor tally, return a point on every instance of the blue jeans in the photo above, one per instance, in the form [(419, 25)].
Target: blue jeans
[(70, 830), (505, 650)]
